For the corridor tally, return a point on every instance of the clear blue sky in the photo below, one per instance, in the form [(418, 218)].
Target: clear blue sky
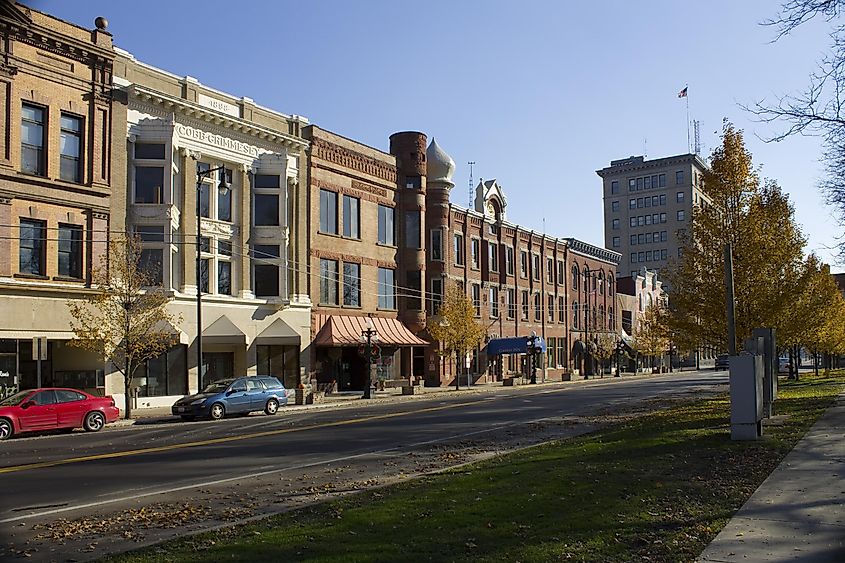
[(540, 94)]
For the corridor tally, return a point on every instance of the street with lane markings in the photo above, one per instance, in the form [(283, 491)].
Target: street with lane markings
[(266, 463)]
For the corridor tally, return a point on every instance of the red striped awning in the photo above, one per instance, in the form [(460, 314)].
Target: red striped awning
[(343, 330)]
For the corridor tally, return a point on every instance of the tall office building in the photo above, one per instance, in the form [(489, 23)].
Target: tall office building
[(646, 204)]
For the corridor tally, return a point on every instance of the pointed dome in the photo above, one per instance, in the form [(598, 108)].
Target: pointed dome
[(440, 165)]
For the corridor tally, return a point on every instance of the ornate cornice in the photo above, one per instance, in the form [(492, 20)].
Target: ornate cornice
[(330, 152), (592, 251), (61, 45), (371, 194), (354, 258)]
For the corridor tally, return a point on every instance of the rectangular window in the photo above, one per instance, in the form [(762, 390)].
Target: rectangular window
[(151, 261), (476, 299), (648, 219), (509, 260), (266, 273), (535, 263), (149, 184), (351, 217), (386, 229), (641, 256), (679, 177), (271, 181), (511, 297), (550, 270), (204, 286), (538, 307), (494, 302), (386, 288), (413, 299), (615, 242), (351, 284), (560, 271), (413, 182), (647, 202), (224, 205), (648, 238), (632, 204), (436, 244), (70, 149), (632, 184), (32, 140), (663, 236), (663, 254), (33, 247), (459, 250), (561, 309), (614, 206), (266, 209), (679, 197), (524, 305), (647, 183), (655, 201), (149, 151), (633, 222), (224, 277), (648, 255), (70, 251), (551, 308), (328, 212), (412, 230), (615, 224), (523, 263), (475, 246), (639, 184), (328, 282), (633, 258), (204, 201), (681, 215), (493, 257), (614, 187), (436, 294), (150, 233), (633, 239)]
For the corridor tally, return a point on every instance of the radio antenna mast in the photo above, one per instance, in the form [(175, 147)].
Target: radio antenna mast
[(471, 164)]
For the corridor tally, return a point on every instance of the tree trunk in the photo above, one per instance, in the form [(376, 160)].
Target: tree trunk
[(816, 362), (127, 388)]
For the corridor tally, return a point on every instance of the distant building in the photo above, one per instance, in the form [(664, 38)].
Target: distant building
[(639, 291), (646, 204)]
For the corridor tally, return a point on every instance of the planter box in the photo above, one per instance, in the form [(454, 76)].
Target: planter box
[(509, 381), (408, 390), (304, 397)]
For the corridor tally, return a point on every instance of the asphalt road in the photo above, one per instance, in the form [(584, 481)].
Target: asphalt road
[(61, 476)]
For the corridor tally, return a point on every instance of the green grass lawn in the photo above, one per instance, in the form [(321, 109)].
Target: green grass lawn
[(657, 488)]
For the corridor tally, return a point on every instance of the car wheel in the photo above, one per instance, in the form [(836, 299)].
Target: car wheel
[(218, 411), (94, 421), (188, 418), (6, 429), (272, 407)]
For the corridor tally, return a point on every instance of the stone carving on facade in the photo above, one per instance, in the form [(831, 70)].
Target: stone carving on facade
[(341, 156)]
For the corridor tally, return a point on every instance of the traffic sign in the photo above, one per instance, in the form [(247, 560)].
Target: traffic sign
[(39, 348)]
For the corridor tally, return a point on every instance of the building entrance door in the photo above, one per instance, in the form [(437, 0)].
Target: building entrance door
[(218, 365)]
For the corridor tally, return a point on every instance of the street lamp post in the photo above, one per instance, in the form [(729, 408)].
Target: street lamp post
[(369, 336), (222, 188), (618, 357), (532, 357)]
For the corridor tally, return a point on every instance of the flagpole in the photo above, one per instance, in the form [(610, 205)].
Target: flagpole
[(686, 88)]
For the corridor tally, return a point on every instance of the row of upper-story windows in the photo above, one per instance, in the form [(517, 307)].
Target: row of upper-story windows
[(649, 255), (592, 281), (67, 262), (595, 318), (346, 221), (343, 289), (34, 135), (648, 182)]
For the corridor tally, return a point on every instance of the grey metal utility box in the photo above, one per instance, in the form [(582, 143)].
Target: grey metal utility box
[(771, 368), (746, 378)]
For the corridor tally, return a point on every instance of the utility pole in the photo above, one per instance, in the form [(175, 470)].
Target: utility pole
[(729, 293)]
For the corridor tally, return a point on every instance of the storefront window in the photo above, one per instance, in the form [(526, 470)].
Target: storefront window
[(165, 375), (279, 361)]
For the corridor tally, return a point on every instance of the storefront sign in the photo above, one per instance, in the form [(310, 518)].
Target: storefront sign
[(217, 105), (217, 140)]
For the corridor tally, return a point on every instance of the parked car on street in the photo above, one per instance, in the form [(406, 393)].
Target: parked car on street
[(36, 410), (722, 362), (242, 395), (783, 365)]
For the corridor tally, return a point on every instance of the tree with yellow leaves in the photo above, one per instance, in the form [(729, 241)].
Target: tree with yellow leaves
[(757, 219), (125, 321), (651, 334), (455, 326)]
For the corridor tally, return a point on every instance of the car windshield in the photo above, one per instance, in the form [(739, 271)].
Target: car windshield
[(15, 399), (217, 386)]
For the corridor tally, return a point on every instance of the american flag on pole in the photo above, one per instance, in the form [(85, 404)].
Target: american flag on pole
[(683, 93)]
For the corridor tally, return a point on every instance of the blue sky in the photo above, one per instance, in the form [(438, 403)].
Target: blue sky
[(540, 94)]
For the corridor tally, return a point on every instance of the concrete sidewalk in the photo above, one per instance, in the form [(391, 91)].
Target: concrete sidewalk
[(798, 513)]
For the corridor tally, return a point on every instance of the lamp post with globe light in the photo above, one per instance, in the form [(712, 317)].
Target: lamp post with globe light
[(369, 338), (223, 187)]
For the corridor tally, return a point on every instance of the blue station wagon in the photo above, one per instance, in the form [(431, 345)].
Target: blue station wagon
[(233, 396)]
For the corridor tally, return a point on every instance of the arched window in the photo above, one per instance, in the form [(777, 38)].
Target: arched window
[(610, 319), (575, 315), (576, 276), (650, 300), (610, 285), (601, 283), (602, 319)]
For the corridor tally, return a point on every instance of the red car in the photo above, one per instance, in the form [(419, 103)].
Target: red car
[(54, 408)]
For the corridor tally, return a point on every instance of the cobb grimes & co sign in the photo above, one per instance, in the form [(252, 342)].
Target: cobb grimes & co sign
[(216, 140)]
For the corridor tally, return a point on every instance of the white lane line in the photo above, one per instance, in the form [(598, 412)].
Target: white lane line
[(257, 474)]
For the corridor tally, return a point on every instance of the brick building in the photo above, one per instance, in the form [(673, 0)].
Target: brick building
[(61, 187), (366, 257)]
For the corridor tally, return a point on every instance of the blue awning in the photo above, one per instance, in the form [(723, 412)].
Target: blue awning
[(514, 345)]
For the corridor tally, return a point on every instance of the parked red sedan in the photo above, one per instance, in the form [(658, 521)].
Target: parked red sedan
[(36, 410)]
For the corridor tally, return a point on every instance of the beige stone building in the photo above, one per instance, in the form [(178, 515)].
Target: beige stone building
[(646, 204), (61, 188), (255, 303)]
